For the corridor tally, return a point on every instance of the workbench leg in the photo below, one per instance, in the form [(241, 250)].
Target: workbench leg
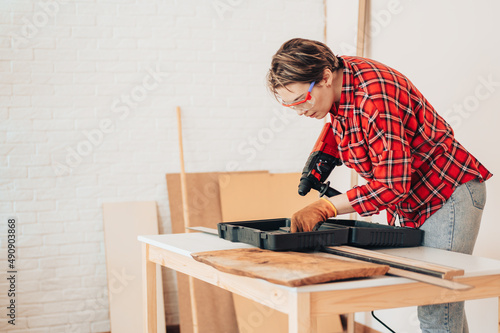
[(299, 316), (350, 323), (149, 291)]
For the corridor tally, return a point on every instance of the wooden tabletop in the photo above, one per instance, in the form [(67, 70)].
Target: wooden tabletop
[(188, 243)]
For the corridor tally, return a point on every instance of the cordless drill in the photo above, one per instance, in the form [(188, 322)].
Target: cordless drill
[(320, 164)]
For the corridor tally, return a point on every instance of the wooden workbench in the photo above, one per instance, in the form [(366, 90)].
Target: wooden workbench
[(303, 303)]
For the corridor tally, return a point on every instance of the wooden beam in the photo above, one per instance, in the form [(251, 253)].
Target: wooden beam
[(187, 223), (360, 49), (185, 205), (401, 295), (449, 284), (325, 22), (417, 266), (360, 40)]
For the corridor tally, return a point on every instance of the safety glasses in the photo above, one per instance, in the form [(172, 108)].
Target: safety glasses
[(304, 104)]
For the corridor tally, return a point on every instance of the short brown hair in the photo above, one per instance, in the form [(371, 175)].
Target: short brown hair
[(300, 60)]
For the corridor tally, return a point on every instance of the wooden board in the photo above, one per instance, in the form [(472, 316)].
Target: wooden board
[(203, 200), (419, 266), (253, 196), (123, 222), (288, 268), (204, 210)]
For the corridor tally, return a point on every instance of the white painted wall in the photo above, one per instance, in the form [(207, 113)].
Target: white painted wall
[(88, 91), (449, 49)]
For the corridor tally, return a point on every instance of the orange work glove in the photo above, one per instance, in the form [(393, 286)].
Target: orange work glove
[(312, 215)]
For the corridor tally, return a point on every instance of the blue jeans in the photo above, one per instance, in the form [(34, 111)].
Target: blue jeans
[(454, 227)]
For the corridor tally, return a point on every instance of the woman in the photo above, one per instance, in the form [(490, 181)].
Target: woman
[(388, 132)]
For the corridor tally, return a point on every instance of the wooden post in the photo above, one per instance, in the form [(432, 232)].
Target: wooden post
[(360, 41), (185, 211), (360, 49), (325, 40), (299, 317)]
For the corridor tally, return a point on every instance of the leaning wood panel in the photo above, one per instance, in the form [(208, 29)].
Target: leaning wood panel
[(261, 195), (123, 222)]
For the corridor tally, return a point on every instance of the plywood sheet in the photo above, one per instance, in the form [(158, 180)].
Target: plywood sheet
[(123, 222), (261, 196), (292, 269), (203, 195), (254, 317), (204, 210)]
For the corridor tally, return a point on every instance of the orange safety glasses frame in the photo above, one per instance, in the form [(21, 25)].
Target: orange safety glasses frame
[(307, 98)]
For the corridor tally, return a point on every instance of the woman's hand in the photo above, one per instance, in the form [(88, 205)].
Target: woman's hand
[(311, 216)]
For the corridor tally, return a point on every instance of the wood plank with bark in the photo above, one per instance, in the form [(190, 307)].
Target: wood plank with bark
[(288, 268)]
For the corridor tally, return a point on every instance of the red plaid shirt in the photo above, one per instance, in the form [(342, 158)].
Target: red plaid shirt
[(390, 134)]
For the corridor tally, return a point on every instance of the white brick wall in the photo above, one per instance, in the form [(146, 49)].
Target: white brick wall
[(88, 91)]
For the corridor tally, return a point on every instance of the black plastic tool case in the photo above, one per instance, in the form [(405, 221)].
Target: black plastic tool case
[(368, 234), (272, 235), (267, 234)]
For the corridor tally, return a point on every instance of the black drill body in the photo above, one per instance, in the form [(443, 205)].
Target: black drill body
[(320, 165)]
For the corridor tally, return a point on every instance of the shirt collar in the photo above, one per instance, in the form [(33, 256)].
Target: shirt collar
[(346, 96)]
